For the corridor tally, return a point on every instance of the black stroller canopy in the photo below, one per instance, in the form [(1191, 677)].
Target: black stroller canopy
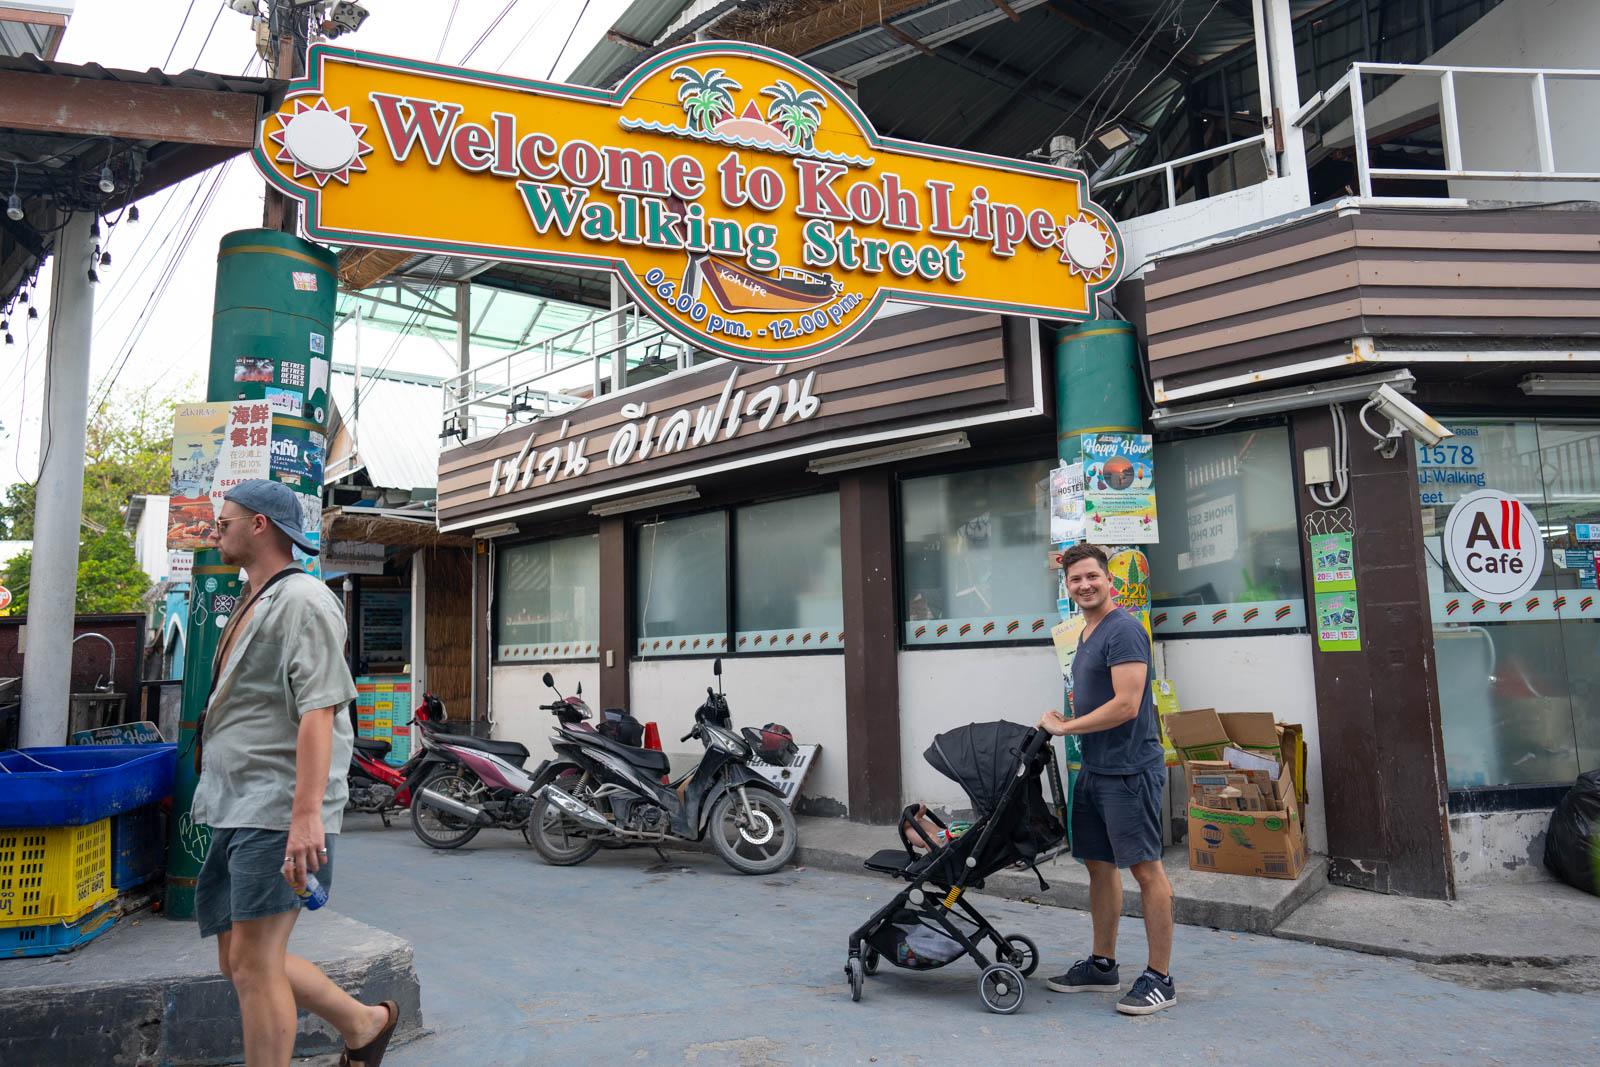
[(981, 758)]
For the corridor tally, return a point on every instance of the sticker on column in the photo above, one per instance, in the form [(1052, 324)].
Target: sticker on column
[(252, 369), (1494, 546), (292, 374), (284, 401), (303, 280), (319, 343)]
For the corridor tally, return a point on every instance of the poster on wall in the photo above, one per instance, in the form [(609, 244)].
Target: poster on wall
[(1338, 622), (386, 627), (197, 435), (1493, 546), (1066, 504), (246, 447), (1130, 583), (1333, 566), (1119, 503), (1213, 533)]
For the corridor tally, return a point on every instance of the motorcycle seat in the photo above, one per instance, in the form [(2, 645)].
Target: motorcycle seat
[(515, 751), (372, 746), (646, 759)]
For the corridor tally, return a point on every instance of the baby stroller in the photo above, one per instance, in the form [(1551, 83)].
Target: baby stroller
[(931, 923)]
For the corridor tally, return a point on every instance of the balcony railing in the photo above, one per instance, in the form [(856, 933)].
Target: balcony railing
[(1170, 168), (1541, 166), (614, 350)]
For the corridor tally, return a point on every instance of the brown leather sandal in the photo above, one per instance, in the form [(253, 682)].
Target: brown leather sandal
[(371, 1054)]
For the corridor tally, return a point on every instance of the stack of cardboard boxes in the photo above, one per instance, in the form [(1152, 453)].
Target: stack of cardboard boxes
[(1244, 811)]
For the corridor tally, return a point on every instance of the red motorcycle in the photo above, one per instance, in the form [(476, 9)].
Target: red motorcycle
[(376, 788)]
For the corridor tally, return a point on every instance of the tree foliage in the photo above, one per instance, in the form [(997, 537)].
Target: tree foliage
[(127, 452)]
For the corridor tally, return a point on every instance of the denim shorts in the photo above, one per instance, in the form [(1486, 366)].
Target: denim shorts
[(1116, 818), (242, 878)]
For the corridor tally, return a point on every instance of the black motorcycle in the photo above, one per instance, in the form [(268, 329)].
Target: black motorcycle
[(599, 791)]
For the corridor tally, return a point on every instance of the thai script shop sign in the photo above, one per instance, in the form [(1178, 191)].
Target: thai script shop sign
[(738, 194)]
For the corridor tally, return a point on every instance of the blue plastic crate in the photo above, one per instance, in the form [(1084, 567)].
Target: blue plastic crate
[(138, 847), (82, 784), (50, 939)]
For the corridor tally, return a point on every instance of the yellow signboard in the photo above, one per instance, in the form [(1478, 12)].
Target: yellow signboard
[(741, 197)]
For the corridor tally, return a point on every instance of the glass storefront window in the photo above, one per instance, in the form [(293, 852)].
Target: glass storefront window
[(1519, 683), (681, 585), (1229, 556), (974, 548), (547, 600), (787, 589)]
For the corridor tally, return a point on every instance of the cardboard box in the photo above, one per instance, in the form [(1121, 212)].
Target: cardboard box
[(1252, 730), (1197, 735), (1265, 844), (1292, 751)]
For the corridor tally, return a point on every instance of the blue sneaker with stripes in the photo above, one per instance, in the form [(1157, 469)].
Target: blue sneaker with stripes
[(1149, 995)]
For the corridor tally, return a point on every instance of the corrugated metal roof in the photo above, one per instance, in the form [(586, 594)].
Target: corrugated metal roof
[(189, 79), (644, 20), (397, 439)]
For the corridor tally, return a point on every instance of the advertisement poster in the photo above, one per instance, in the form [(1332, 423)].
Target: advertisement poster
[(197, 435), (246, 447), (252, 369), (1130, 583), (1333, 567), (1338, 622), (1066, 504), (1119, 503), (1064, 636), (1213, 533)]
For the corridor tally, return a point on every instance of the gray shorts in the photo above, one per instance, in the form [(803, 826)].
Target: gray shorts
[(242, 878), (1116, 818)]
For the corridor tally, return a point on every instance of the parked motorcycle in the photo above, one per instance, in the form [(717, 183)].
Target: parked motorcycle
[(474, 783), (598, 792), (376, 788)]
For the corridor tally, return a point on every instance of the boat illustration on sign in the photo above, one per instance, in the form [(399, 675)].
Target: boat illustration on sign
[(737, 288)]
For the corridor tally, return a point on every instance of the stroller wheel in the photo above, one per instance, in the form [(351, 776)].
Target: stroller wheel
[(1024, 953), (870, 964), (858, 976), (1002, 988)]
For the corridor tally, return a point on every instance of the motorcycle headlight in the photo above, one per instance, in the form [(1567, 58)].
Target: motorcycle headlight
[(728, 744)]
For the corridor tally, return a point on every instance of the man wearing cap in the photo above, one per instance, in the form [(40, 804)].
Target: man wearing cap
[(273, 750)]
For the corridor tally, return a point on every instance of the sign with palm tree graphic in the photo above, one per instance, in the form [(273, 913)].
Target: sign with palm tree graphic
[(741, 197)]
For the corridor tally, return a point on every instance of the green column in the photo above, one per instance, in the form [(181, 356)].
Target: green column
[(1097, 383), (271, 339), (1097, 389)]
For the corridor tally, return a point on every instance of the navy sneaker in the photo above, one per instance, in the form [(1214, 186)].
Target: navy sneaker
[(1148, 995), (1083, 976)]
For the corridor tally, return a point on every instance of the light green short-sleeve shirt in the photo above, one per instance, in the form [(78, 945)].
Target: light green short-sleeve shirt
[(288, 660)]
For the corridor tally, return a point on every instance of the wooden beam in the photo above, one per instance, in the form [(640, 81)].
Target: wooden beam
[(1010, 12), (905, 38), (45, 103), (627, 42)]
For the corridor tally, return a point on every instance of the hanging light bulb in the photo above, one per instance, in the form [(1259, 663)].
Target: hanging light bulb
[(23, 298), (105, 259), (9, 341), (107, 183), (133, 212), (14, 208), (5, 324), (94, 279), (33, 313), (94, 229)]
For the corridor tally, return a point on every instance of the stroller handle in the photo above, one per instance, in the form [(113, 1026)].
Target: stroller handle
[(1037, 740)]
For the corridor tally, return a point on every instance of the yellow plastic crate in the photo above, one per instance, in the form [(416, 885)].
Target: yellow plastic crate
[(51, 874)]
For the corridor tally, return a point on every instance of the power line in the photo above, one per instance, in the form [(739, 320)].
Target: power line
[(484, 36), (445, 37), (1159, 74), (181, 27), (575, 22)]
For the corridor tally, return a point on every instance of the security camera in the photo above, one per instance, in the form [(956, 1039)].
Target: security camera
[(1403, 415), (345, 17), (243, 7)]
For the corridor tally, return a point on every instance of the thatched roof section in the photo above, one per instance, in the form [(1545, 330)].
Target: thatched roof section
[(349, 524)]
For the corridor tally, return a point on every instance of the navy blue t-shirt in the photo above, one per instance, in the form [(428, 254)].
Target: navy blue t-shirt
[(1135, 745)]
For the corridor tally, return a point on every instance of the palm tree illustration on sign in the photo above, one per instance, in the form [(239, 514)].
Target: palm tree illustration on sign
[(795, 111), (706, 97)]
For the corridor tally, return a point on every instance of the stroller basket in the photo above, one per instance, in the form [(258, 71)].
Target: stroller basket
[(931, 922)]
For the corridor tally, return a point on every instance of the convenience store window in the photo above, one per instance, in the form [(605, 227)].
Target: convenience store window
[(1229, 557), (753, 579), (547, 600), (1519, 683), (974, 549)]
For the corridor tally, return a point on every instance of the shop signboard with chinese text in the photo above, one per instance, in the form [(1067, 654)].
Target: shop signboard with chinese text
[(736, 193)]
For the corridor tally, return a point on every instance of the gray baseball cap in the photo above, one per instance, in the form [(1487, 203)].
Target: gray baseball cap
[(277, 502)]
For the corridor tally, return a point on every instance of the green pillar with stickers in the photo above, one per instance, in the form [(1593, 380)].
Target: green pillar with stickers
[(1097, 391), (271, 341)]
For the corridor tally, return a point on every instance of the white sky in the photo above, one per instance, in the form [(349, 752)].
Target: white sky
[(171, 348)]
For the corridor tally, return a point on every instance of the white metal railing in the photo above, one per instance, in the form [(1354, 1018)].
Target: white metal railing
[(1450, 122), (559, 372), (1170, 167)]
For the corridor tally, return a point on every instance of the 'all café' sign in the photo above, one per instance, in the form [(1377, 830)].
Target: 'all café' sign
[(737, 193)]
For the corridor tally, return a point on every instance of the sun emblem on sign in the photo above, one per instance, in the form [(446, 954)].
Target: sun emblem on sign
[(1087, 248), (320, 142)]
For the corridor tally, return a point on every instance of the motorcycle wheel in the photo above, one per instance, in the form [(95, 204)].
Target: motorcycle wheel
[(435, 828), (758, 847), (559, 841)]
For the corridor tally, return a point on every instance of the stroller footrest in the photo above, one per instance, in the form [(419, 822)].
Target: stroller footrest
[(889, 861)]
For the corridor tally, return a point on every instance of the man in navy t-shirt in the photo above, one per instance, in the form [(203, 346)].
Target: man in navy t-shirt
[(1116, 802)]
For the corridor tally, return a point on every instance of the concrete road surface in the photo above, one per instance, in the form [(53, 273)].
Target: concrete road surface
[(628, 960)]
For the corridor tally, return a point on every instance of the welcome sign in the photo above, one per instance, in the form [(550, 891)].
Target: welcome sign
[(741, 197)]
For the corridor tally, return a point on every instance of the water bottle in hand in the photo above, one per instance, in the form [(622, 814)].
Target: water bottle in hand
[(312, 895)]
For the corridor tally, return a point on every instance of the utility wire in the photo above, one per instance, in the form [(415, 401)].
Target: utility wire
[(484, 36), (575, 22), (1162, 72), (445, 37), (181, 27)]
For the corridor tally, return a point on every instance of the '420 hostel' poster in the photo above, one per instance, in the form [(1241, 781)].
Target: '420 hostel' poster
[(1119, 481)]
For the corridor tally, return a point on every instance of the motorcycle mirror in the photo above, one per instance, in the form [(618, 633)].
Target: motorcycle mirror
[(580, 689), (716, 666), (549, 680)]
